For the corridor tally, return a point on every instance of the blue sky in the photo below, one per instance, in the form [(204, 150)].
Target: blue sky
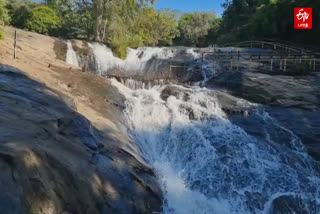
[(192, 5)]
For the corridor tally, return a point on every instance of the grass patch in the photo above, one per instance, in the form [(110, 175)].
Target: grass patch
[(1, 34)]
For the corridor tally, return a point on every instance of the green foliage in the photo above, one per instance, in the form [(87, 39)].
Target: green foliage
[(1, 34), (20, 12), (130, 25), (43, 20), (260, 19), (76, 17), (195, 27), (156, 27), (4, 17)]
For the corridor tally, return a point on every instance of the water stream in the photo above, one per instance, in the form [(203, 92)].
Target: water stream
[(71, 57), (204, 162)]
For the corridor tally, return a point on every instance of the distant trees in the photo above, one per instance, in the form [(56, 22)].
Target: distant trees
[(140, 27), (260, 19), (43, 20), (4, 17), (118, 23), (20, 12), (195, 27)]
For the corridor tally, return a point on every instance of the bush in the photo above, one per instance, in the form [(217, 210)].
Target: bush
[(20, 16), (1, 34), (4, 17), (43, 20)]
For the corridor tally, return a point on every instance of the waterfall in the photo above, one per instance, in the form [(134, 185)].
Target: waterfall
[(71, 55), (146, 59), (136, 59), (206, 164)]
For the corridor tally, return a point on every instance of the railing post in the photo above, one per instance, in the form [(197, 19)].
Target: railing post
[(285, 64), (314, 65), (271, 65), (310, 63)]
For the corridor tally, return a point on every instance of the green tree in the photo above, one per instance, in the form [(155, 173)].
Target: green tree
[(20, 12), (43, 20), (75, 15), (261, 19), (4, 17), (195, 27), (156, 27)]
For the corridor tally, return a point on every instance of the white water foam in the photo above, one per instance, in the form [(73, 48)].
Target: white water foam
[(208, 165), (71, 57), (136, 59)]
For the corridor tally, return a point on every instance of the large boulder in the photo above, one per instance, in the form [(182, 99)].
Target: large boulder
[(284, 91)]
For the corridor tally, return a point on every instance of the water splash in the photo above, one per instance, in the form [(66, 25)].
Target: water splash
[(71, 57), (208, 165)]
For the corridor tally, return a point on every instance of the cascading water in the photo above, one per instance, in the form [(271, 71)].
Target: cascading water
[(207, 165), (136, 59), (71, 57), (150, 60)]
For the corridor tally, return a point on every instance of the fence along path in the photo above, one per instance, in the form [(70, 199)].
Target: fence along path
[(278, 56)]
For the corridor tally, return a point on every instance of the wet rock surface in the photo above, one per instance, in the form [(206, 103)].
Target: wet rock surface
[(53, 160), (290, 204), (293, 101), (282, 91)]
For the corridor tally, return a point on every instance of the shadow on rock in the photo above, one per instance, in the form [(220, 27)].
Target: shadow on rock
[(53, 160)]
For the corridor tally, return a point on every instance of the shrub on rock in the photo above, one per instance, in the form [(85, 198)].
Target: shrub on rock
[(1, 34)]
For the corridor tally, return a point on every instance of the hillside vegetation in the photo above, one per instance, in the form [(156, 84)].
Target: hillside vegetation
[(135, 23)]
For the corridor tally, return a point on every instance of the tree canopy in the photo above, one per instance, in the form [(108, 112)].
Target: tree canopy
[(259, 19), (195, 27), (4, 17), (43, 20), (133, 23)]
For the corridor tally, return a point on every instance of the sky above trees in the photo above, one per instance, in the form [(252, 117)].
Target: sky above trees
[(192, 6), (189, 6)]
